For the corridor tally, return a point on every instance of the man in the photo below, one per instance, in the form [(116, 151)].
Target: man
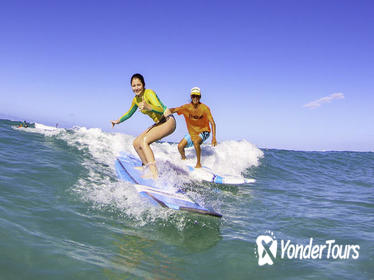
[(198, 118)]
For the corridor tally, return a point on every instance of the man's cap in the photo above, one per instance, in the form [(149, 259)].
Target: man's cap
[(195, 91)]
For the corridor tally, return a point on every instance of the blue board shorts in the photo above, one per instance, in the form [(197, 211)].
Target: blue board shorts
[(203, 135)]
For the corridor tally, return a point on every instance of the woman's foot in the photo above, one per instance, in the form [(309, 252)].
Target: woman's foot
[(151, 171), (140, 168)]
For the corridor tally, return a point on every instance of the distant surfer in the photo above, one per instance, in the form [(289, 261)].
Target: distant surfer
[(24, 124), (148, 103), (198, 118)]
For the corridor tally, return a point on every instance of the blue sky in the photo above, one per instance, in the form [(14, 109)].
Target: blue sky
[(258, 64)]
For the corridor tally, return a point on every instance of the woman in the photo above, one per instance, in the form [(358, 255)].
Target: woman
[(148, 103)]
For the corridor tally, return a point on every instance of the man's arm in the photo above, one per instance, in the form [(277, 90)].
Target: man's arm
[(178, 110), (213, 125)]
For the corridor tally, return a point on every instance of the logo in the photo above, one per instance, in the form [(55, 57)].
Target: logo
[(266, 249), (196, 117)]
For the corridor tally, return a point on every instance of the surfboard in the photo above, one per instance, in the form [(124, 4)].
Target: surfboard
[(175, 199), (206, 174)]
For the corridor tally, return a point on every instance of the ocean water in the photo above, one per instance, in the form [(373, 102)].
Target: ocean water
[(65, 215)]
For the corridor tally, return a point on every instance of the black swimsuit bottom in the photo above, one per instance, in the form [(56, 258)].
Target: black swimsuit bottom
[(162, 120)]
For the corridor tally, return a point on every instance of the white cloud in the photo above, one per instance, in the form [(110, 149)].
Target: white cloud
[(323, 100)]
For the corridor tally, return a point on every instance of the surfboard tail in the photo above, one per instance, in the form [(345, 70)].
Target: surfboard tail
[(200, 211)]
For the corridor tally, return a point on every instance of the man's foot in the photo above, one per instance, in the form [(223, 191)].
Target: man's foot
[(183, 158), (198, 165)]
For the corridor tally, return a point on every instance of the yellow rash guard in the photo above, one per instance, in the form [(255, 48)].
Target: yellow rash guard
[(150, 97)]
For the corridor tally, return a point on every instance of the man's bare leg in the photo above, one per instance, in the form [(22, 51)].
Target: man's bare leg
[(182, 144), (198, 151)]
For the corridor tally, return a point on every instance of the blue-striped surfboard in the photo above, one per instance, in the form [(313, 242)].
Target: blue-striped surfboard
[(176, 199)]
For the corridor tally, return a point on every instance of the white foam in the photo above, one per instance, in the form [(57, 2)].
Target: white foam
[(43, 129), (228, 157)]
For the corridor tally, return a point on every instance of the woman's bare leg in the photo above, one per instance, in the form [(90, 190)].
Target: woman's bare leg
[(138, 148), (152, 135)]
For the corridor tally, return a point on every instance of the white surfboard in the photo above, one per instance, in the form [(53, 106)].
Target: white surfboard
[(206, 174)]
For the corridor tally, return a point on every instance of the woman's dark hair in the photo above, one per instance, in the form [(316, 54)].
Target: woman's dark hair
[(138, 76)]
